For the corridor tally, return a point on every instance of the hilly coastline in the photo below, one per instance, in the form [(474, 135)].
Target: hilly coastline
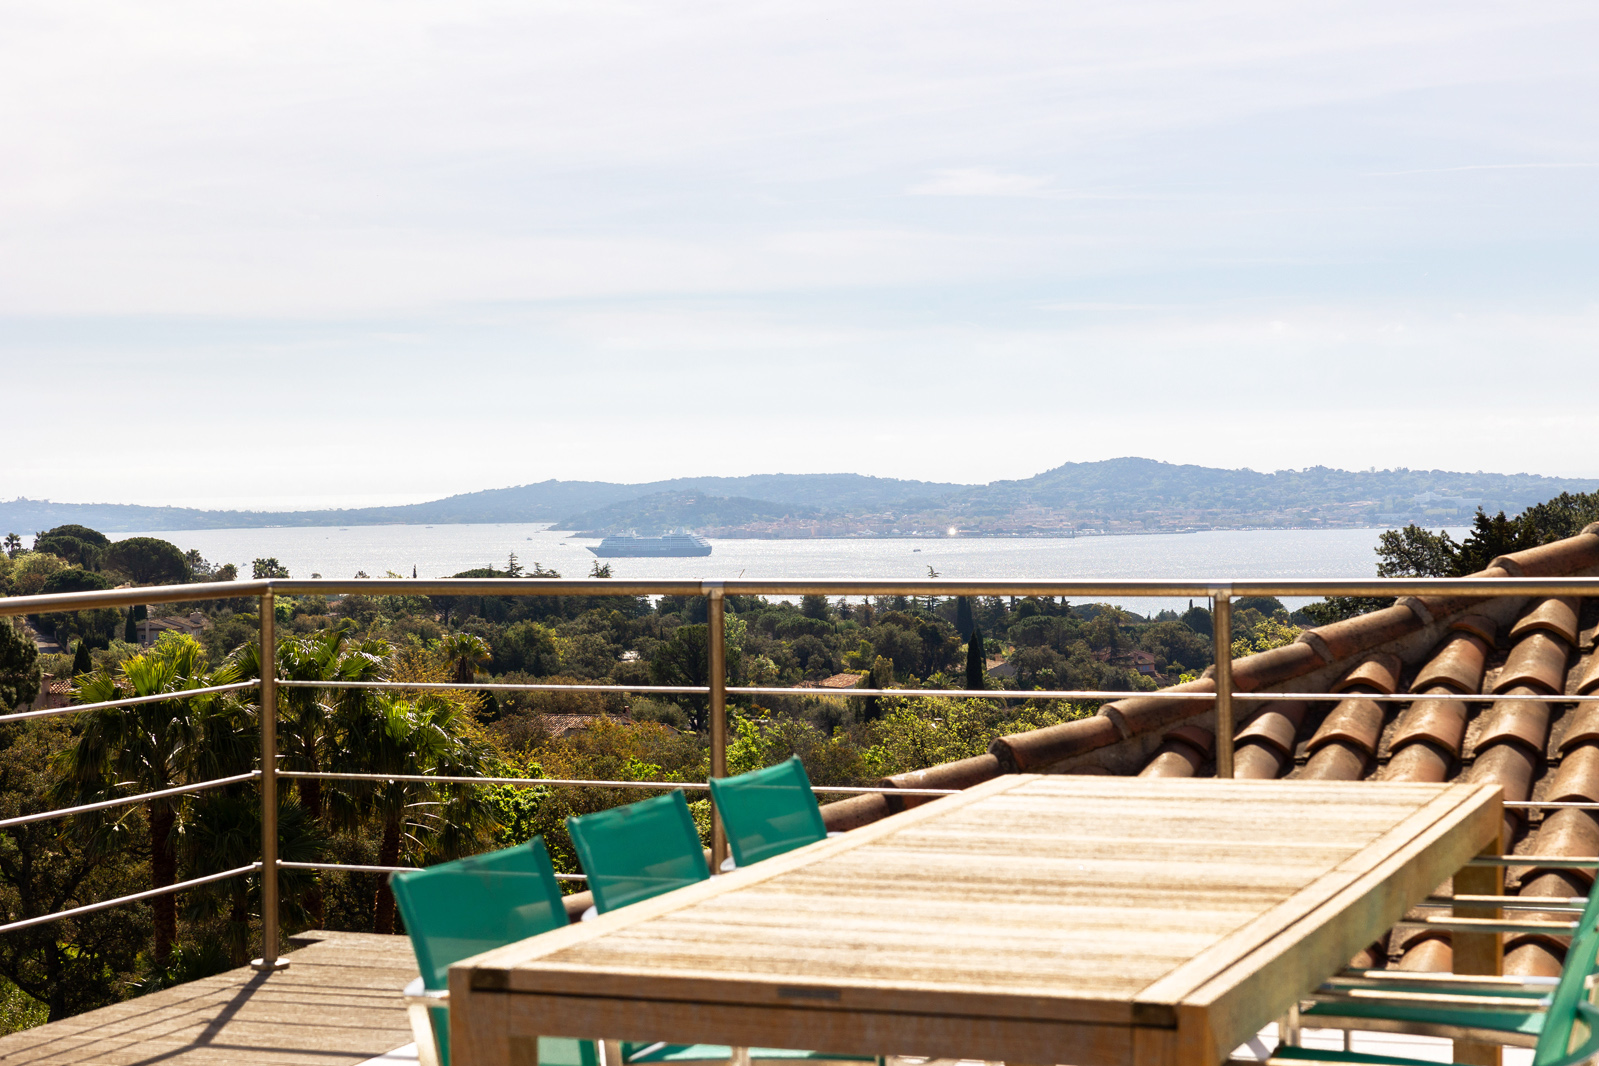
[(1111, 496)]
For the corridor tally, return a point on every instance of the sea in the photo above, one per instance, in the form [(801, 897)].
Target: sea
[(443, 550)]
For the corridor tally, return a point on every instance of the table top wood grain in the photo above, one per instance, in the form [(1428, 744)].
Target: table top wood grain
[(1041, 919)]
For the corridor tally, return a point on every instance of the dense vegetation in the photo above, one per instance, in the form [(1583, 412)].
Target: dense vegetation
[(56, 969)]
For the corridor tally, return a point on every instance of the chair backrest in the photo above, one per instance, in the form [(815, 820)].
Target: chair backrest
[(458, 909), (638, 851), (1570, 1006), (767, 812)]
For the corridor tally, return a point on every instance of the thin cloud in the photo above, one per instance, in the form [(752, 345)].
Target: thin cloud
[(1485, 166), (980, 181)]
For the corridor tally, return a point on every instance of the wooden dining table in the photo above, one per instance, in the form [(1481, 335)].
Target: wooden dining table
[(1031, 919)]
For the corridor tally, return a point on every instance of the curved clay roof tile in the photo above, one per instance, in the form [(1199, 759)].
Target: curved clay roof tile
[(1582, 726), (1590, 677), (1578, 776), (1277, 725), (1478, 625), (1524, 722), (1458, 665), (1442, 722), (1356, 721), (1538, 660), (1557, 615), (1378, 673)]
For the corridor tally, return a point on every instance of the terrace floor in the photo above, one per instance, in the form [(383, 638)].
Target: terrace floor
[(338, 1004)]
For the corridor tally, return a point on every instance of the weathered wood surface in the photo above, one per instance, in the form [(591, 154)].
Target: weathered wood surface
[(1034, 919), (337, 1004)]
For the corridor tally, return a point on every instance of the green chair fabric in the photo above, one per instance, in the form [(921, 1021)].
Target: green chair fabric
[(767, 812), (1552, 1019), (462, 908), (639, 851)]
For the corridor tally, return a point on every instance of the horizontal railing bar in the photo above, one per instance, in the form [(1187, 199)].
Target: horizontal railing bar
[(1123, 588), (123, 801), (1492, 925), (1424, 978), (131, 701), (384, 869), (1162, 694), (134, 898), (49, 603), (1564, 805), (323, 775), (1553, 862), (494, 686), (1552, 904)]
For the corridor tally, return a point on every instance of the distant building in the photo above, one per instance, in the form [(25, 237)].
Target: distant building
[(151, 628)]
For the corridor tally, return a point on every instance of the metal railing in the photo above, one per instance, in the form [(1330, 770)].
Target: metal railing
[(1219, 593)]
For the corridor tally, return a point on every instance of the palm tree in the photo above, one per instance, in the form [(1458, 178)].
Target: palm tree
[(465, 653), (428, 734), (307, 733), (152, 746)]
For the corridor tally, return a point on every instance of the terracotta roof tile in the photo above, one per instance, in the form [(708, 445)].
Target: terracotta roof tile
[(1479, 625), (1346, 639), (1457, 665), (1556, 615), (1578, 776), (1276, 726), (1358, 722), (1428, 952), (1378, 673), (1589, 681), (1139, 715), (1337, 761), (1264, 748), (1581, 726), (1440, 722), (1538, 660), (1570, 832), (1041, 748), (1176, 758), (1256, 672), (1437, 607), (1509, 766), (1422, 761), (963, 773), (1523, 722), (1551, 560)]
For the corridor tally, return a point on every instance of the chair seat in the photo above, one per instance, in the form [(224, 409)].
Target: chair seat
[(722, 1053), (1298, 1055), (1510, 1026)]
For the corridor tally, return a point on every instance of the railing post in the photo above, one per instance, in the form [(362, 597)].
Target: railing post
[(1221, 617), (269, 789), (715, 638)]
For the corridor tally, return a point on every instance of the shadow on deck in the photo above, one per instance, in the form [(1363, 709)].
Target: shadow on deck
[(337, 1004)]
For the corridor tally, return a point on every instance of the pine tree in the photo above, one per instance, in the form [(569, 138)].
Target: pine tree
[(976, 661)]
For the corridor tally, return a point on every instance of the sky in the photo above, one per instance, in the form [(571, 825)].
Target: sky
[(308, 254)]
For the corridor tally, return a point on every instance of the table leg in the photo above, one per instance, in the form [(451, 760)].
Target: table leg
[(1479, 953)]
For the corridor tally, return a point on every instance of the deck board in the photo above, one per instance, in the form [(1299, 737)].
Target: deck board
[(338, 1004)]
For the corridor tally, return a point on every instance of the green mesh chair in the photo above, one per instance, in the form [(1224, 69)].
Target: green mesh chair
[(639, 851), (767, 812), (1561, 1023), (462, 908)]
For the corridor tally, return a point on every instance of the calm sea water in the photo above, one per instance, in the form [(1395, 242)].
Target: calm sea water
[(438, 551)]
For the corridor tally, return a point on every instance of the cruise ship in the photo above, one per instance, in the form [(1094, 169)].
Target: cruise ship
[(630, 546)]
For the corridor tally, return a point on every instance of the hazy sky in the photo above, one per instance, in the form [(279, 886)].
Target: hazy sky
[(315, 254)]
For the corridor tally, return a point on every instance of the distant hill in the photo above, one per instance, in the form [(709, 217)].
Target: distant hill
[(545, 501), (666, 511), (1114, 495)]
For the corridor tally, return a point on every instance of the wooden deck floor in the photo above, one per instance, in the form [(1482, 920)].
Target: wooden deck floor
[(338, 1004)]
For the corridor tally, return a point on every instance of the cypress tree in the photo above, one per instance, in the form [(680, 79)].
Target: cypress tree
[(963, 617), (976, 661), (81, 663), (130, 632)]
